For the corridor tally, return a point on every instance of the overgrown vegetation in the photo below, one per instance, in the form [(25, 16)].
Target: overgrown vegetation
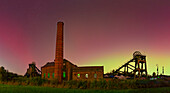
[(83, 84), (7, 76), (37, 89), (118, 84)]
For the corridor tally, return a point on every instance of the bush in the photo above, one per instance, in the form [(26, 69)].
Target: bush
[(116, 83), (102, 84), (110, 84), (93, 84), (82, 84), (72, 84), (38, 81), (54, 82)]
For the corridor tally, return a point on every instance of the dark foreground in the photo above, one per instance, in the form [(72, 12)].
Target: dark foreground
[(36, 89)]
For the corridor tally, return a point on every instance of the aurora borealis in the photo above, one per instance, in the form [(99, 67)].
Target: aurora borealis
[(97, 32)]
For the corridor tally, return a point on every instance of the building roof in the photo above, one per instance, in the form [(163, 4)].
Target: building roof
[(65, 60), (88, 68), (48, 64), (53, 63), (85, 67)]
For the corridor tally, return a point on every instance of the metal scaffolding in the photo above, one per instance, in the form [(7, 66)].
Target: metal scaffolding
[(137, 66)]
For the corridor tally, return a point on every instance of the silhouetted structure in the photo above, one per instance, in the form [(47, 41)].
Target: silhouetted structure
[(157, 70), (137, 65), (32, 71), (162, 70)]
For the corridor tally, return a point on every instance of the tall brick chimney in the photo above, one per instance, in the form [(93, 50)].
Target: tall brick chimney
[(59, 52)]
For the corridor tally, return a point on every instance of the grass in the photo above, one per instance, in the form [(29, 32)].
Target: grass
[(38, 89)]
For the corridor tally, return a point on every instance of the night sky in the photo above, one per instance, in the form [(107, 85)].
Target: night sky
[(96, 32)]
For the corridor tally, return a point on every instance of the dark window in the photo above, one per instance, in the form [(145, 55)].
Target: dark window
[(95, 75), (64, 74), (44, 75), (48, 75), (53, 75)]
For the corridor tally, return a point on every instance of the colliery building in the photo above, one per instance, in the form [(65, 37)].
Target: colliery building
[(63, 69)]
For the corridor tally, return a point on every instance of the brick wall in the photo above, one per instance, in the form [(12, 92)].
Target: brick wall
[(89, 73), (47, 72)]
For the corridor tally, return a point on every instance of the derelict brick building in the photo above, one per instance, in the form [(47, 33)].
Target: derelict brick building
[(62, 69)]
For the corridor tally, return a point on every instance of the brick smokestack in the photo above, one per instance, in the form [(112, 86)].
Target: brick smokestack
[(59, 52)]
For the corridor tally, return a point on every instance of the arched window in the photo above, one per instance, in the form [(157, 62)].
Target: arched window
[(64, 74), (86, 75), (78, 75), (48, 75), (44, 75), (95, 75)]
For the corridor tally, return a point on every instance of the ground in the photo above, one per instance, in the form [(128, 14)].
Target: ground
[(38, 89)]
